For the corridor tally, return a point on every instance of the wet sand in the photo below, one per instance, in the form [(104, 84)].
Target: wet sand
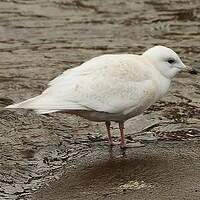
[(41, 39)]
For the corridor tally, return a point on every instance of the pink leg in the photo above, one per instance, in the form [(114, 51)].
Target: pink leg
[(121, 128), (123, 144), (109, 134)]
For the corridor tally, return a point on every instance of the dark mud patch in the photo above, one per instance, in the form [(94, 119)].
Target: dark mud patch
[(179, 135)]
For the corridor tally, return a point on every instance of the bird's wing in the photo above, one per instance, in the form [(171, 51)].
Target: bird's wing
[(111, 83), (118, 97)]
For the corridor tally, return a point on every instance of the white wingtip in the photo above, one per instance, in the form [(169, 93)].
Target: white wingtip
[(12, 106), (23, 104)]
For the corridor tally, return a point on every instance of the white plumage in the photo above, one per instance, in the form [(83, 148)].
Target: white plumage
[(110, 87)]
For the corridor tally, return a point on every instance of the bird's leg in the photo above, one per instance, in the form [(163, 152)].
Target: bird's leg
[(109, 134), (123, 144), (121, 128)]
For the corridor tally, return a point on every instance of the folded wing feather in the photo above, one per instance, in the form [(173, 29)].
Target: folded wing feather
[(107, 83)]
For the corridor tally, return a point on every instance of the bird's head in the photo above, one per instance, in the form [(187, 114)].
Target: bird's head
[(166, 61)]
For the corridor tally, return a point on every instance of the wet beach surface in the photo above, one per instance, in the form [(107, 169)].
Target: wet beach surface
[(59, 156), (164, 172)]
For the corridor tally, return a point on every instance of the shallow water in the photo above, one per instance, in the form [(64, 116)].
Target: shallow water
[(38, 41)]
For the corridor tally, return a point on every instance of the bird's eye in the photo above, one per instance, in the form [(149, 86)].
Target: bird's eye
[(171, 61)]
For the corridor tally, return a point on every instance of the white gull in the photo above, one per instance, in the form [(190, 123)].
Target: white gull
[(110, 87)]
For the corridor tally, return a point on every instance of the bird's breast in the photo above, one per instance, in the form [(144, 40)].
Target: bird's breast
[(163, 85)]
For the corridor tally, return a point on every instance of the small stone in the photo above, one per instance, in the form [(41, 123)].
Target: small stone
[(17, 188), (135, 145), (9, 189), (149, 137)]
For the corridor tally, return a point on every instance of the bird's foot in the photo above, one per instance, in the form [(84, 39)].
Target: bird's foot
[(131, 145), (126, 145), (112, 144)]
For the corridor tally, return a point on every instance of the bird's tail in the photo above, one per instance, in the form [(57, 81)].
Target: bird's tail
[(25, 104), (43, 104), (34, 103)]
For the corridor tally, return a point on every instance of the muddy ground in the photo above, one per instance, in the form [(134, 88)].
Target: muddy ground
[(64, 157)]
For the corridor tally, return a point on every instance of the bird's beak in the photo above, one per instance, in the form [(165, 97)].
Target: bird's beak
[(189, 69)]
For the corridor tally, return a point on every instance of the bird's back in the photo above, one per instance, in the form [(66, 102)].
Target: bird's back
[(108, 83)]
